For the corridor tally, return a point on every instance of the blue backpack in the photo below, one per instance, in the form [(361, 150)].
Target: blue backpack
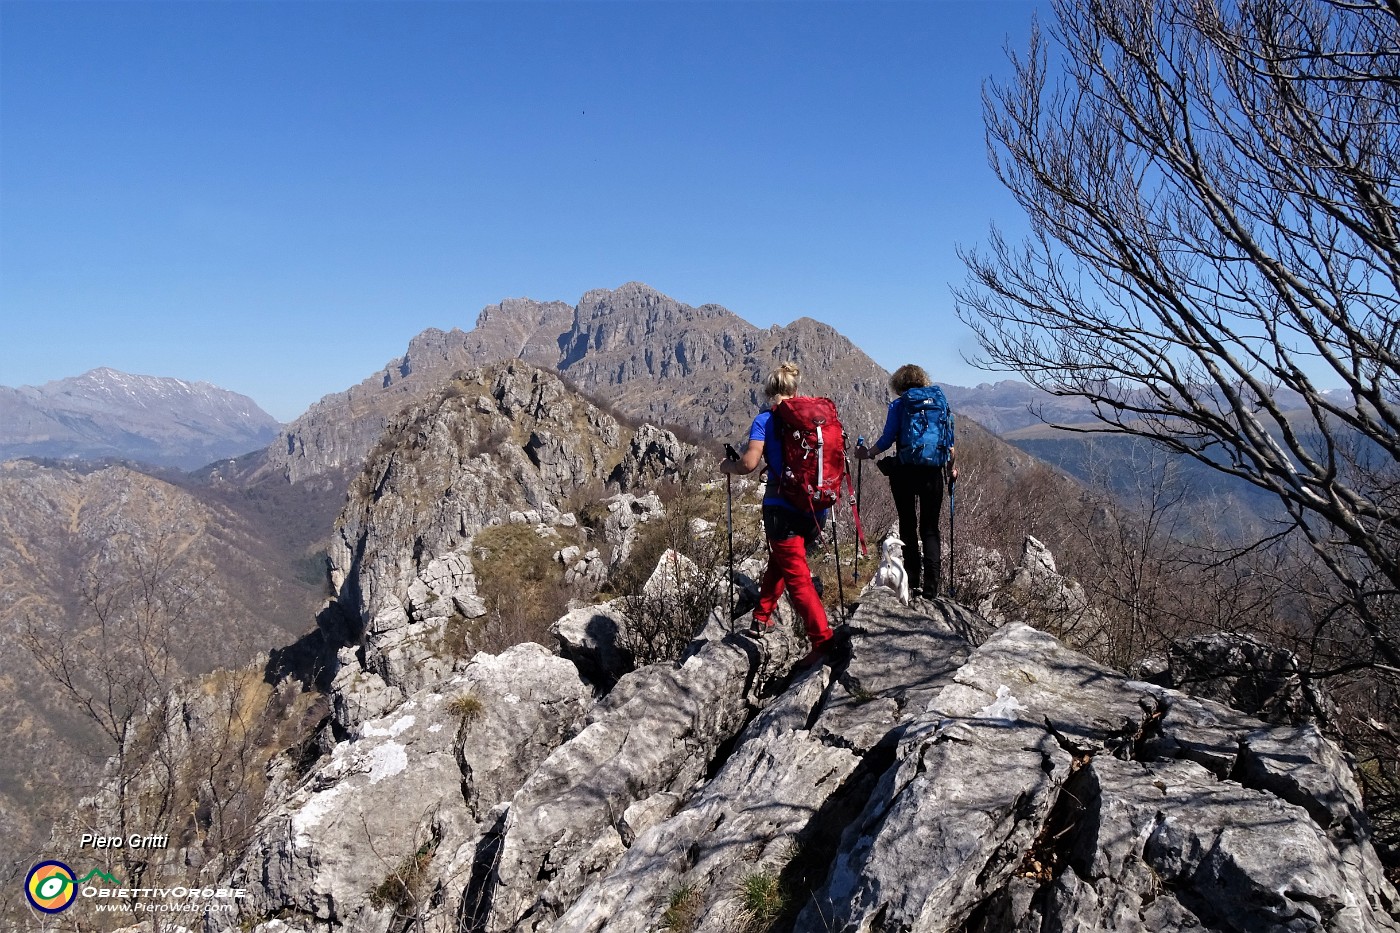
[(926, 430)]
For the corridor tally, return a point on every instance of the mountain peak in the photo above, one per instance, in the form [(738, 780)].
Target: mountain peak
[(628, 290), (109, 413)]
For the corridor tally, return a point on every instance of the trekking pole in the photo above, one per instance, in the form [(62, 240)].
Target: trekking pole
[(836, 546), (952, 537), (860, 466), (730, 454)]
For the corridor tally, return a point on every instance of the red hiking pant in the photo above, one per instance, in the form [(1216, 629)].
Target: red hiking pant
[(787, 568)]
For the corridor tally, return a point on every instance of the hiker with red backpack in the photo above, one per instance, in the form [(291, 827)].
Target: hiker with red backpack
[(920, 425), (794, 505)]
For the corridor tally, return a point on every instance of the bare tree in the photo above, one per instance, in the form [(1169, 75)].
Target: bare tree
[(186, 759), (113, 658), (1211, 189), (665, 612)]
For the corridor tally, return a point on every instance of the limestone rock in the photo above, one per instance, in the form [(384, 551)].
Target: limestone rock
[(745, 821), (1169, 840), (1036, 559), (396, 790), (996, 793), (900, 659), (1249, 676), (492, 440), (591, 637), (1032, 592), (625, 513), (653, 454), (656, 732), (934, 774)]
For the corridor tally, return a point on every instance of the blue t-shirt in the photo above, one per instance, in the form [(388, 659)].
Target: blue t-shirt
[(763, 429)]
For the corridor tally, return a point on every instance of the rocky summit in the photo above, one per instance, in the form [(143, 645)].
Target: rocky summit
[(502, 446), (934, 775)]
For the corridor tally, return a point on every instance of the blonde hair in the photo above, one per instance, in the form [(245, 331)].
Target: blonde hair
[(908, 377), (783, 380)]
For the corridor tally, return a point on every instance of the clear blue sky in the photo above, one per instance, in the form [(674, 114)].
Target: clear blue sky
[(275, 197)]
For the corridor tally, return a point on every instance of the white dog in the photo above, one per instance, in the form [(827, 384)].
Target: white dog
[(891, 572)]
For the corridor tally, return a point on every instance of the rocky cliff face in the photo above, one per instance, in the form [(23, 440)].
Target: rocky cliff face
[(505, 444), (651, 357), (105, 413)]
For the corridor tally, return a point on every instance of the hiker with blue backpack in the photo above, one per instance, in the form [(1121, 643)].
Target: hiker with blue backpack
[(920, 426), (794, 505)]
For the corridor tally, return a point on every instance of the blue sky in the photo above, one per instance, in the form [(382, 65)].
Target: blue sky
[(275, 197)]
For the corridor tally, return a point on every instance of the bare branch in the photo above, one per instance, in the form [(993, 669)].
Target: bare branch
[(1215, 245)]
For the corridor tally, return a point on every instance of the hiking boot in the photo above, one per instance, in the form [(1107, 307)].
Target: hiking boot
[(933, 574), (760, 627)]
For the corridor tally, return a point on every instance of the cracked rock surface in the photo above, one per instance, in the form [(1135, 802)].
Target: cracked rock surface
[(934, 775)]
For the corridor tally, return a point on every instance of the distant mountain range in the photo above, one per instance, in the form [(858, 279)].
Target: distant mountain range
[(645, 354), (648, 355), (1008, 405), (106, 413)]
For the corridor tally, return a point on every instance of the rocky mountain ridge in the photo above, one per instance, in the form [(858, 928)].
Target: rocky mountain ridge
[(503, 450), (936, 776), (106, 413), (651, 357), (941, 772), (508, 443)]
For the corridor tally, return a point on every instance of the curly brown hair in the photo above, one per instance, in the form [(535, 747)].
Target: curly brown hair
[(908, 377)]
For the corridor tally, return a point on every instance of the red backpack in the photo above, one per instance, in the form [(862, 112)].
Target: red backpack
[(814, 452)]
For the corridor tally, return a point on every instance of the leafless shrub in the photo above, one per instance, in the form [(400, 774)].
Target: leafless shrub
[(662, 621)]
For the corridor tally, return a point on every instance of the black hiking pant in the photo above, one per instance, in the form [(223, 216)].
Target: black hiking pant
[(918, 499)]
